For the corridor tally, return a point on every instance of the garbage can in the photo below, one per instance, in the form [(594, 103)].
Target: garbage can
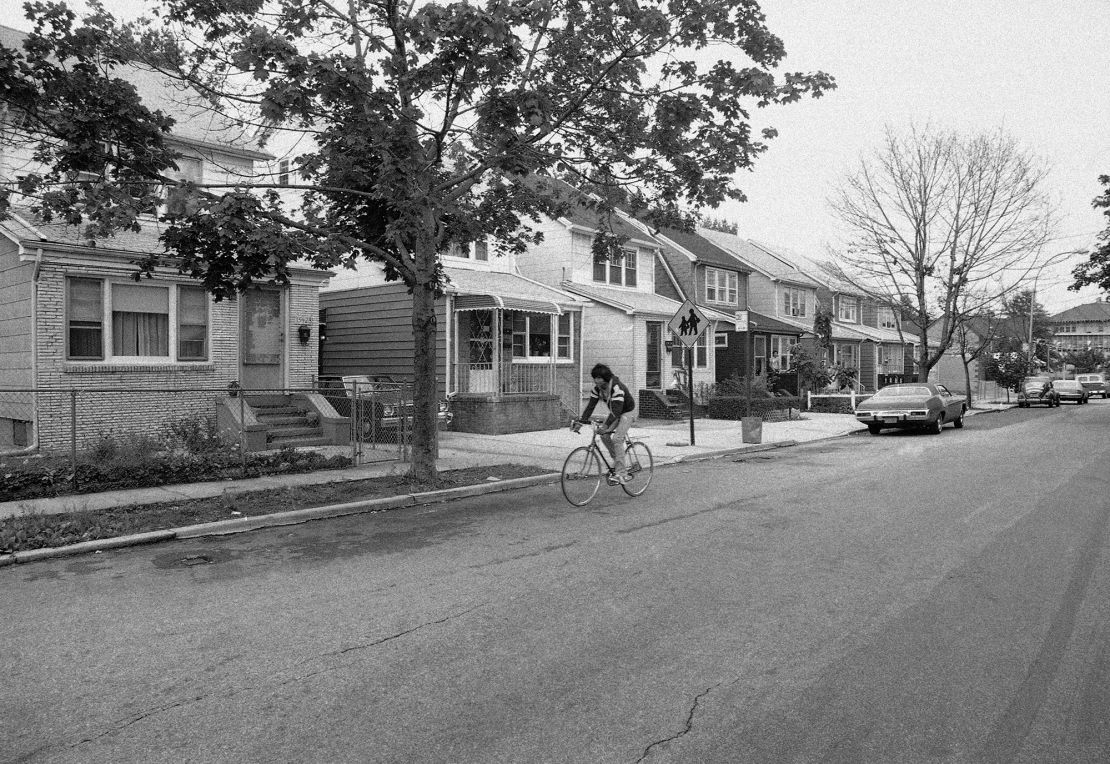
[(751, 429)]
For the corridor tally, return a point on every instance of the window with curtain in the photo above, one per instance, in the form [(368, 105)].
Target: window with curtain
[(192, 324), (85, 318), (140, 320)]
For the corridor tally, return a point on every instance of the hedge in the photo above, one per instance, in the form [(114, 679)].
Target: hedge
[(768, 409)]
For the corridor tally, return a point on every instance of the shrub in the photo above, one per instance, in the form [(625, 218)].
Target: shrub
[(196, 435), (736, 406)]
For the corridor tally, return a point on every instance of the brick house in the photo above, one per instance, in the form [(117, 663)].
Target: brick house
[(131, 356)]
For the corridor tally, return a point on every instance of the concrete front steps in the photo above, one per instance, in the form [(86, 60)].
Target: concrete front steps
[(287, 423)]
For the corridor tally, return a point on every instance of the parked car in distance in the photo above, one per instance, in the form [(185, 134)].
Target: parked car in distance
[(1094, 384), (1038, 391), (1069, 390), (917, 405)]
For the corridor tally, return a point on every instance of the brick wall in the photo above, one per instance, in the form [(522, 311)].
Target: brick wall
[(144, 398)]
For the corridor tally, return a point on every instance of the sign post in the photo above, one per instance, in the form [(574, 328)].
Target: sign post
[(689, 324)]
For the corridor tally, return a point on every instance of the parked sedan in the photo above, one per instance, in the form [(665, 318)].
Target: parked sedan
[(918, 405), (1094, 384), (1038, 391), (1069, 390)]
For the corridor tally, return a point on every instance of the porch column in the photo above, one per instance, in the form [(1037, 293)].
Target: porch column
[(497, 340)]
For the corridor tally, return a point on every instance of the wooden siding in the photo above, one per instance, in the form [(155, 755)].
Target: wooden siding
[(370, 332), (868, 367), (15, 332)]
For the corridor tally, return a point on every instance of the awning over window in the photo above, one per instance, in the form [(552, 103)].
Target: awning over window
[(499, 302)]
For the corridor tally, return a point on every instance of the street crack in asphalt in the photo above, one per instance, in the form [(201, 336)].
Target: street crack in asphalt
[(686, 729), (123, 724)]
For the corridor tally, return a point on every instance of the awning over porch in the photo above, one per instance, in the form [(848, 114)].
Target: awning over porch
[(493, 290)]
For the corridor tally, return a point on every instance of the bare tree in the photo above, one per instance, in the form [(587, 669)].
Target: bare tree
[(945, 224)]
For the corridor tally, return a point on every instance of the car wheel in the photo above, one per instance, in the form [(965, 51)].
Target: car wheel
[(958, 422), (937, 425), (874, 429)]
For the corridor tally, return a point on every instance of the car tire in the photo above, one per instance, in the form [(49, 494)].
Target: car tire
[(937, 426), (874, 429), (958, 422)]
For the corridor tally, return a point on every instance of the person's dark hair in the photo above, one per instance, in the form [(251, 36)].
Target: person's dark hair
[(601, 370)]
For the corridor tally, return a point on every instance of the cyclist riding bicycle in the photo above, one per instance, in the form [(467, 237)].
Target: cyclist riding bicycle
[(622, 413)]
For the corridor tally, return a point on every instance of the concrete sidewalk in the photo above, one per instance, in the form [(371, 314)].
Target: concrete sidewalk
[(669, 443)]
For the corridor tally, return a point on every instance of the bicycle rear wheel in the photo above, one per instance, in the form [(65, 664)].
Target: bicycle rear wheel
[(581, 476), (640, 468)]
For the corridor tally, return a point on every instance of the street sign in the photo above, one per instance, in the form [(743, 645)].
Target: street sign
[(689, 324)]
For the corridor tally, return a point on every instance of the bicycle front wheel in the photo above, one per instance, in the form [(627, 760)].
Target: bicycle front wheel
[(581, 476), (640, 468)]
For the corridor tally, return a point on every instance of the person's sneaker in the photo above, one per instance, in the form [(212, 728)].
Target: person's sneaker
[(624, 479)]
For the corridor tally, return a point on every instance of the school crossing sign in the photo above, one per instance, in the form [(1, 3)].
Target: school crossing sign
[(688, 324)]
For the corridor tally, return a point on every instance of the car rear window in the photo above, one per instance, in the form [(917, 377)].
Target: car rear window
[(898, 392)]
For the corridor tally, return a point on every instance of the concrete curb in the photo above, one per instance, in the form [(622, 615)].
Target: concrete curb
[(293, 517), (297, 516)]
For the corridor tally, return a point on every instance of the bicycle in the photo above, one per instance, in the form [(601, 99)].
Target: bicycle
[(581, 477)]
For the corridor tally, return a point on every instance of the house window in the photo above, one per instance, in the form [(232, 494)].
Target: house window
[(179, 201), (630, 267), (475, 250), (141, 321), (793, 301), (849, 309), (847, 355), (720, 340), (720, 286), (780, 352), (566, 339), (85, 312), (283, 172), (480, 250), (760, 355), (886, 318), (621, 272), (892, 359), (701, 351), (531, 335), (192, 324)]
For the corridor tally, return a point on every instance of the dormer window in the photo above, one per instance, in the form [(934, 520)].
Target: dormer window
[(720, 286), (849, 309), (475, 250), (620, 272), (793, 302)]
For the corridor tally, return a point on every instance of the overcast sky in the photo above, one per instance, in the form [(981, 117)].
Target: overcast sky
[(1039, 70)]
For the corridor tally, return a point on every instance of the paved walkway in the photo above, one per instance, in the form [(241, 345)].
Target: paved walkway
[(669, 443)]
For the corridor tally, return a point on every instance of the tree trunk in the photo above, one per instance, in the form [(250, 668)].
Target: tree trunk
[(425, 335), (967, 378)]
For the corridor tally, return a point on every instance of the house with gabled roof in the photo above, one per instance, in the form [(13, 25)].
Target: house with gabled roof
[(866, 335), (509, 347), (94, 352), (628, 301), (782, 300)]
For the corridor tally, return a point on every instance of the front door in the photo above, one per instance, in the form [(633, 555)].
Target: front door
[(263, 338), (654, 355)]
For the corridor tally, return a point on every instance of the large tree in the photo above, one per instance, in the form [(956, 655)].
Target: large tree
[(944, 224), (429, 124), (1096, 270)]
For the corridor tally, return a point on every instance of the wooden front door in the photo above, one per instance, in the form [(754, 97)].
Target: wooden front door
[(263, 338), (654, 379)]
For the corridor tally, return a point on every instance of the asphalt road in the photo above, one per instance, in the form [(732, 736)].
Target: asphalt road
[(900, 598)]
